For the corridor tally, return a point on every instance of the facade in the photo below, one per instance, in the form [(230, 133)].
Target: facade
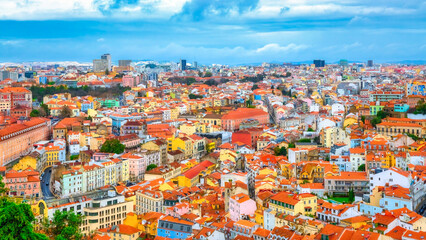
[(13, 97), (358, 181), (106, 211), (241, 205), (23, 183), (17, 139), (232, 120), (175, 228), (293, 204)]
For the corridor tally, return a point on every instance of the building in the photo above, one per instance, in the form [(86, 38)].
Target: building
[(71, 183), (149, 201), (13, 97), (319, 63), (17, 139), (341, 184), (370, 63), (240, 205), (106, 211), (182, 64), (100, 65), (293, 204), (23, 183), (107, 58), (124, 63), (120, 231), (232, 120), (175, 228)]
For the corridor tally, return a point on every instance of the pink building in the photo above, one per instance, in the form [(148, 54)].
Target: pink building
[(240, 205), (23, 183), (178, 210), (130, 81)]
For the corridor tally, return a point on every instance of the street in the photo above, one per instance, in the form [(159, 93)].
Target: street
[(45, 183)]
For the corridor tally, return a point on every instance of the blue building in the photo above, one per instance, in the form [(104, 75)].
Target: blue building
[(85, 106), (401, 107), (119, 120), (174, 228)]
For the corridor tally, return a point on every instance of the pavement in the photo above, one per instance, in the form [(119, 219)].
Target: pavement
[(45, 183)]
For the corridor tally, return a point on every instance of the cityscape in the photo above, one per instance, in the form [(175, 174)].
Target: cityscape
[(211, 120)]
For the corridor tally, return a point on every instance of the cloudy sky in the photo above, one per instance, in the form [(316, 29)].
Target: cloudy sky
[(213, 31)]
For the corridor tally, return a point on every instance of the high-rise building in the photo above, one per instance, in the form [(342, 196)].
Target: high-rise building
[(319, 63), (107, 57), (8, 75), (370, 63), (182, 64), (100, 65), (124, 63), (195, 65)]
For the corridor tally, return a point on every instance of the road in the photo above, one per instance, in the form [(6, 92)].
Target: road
[(45, 183)]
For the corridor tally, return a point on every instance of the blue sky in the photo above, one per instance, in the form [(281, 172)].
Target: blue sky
[(213, 31)]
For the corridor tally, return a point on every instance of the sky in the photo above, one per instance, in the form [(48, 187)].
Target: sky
[(213, 31)]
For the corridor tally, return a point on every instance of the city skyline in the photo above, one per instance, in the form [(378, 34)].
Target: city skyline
[(231, 32)]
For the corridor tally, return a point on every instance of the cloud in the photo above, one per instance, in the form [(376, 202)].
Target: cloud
[(274, 48), (10, 42), (100, 40), (197, 10)]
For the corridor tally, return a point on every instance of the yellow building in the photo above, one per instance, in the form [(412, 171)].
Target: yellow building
[(293, 204), (25, 162), (183, 144), (191, 177), (388, 160), (52, 155)]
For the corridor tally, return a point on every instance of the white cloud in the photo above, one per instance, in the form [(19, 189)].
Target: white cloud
[(100, 40), (10, 42)]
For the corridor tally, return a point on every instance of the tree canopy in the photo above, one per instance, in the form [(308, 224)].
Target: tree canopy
[(16, 221), (35, 113), (280, 151), (64, 225), (361, 168), (151, 166), (112, 146), (66, 112)]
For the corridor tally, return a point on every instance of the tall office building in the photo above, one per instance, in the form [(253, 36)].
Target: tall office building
[(182, 64), (124, 63), (100, 65), (195, 65), (319, 63), (8, 75), (370, 63), (107, 57)]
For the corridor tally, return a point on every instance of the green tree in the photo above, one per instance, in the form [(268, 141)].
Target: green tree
[(351, 194), (208, 74), (35, 113), (291, 145), (64, 226), (304, 140), (150, 167), (195, 96), (375, 121), (254, 87), (311, 130), (66, 112), (288, 74), (361, 168), (112, 146), (16, 221), (382, 114), (280, 151), (363, 119), (3, 189), (106, 72)]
